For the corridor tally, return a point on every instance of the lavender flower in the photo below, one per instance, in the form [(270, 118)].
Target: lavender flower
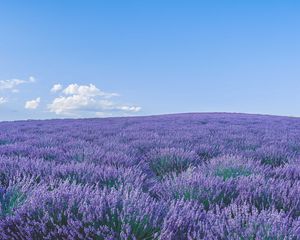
[(172, 177)]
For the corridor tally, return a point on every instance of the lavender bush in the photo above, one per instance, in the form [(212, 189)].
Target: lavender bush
[(185, 176)]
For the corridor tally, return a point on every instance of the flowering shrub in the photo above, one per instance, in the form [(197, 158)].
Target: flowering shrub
[(163, 162)]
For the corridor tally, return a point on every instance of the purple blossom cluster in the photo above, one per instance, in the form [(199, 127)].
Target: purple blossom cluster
[(184, 176)]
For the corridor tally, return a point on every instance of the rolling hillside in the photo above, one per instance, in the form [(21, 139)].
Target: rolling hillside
[(181, 176)]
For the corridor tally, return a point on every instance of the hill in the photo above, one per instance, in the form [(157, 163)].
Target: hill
[(181, 176)]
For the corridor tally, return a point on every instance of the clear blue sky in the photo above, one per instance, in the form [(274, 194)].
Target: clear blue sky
[(158, 56)]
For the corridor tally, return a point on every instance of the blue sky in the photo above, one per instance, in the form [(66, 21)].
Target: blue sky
[(119, 58)]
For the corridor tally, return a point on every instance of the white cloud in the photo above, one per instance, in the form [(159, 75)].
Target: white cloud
[(12, 84), (2, 100), (87, 90), (103, 114), (15, 90), (129, 108), (56, 88), (32, 79), (87, 98), (33, 104)]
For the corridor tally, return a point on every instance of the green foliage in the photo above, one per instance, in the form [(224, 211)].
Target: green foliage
[(4, 142), (232, 172), (116, 221), (274, 161), (142, 228), (111, 183), (11, 200), (168, 164), (206, 197)]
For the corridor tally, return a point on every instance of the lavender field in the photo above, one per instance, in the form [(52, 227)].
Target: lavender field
[(184, 176)]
